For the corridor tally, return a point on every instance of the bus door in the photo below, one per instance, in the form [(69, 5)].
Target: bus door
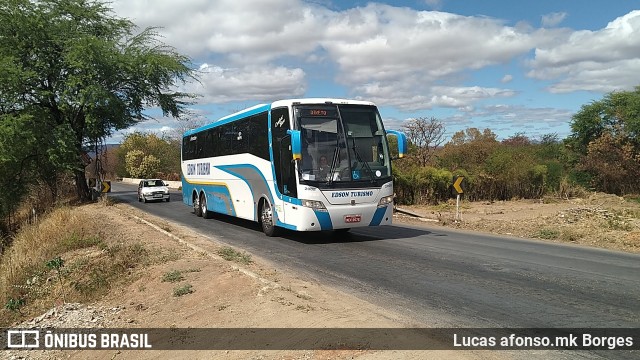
[(283, 164)]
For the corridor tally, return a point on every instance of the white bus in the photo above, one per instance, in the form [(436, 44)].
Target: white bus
[(301, 164)]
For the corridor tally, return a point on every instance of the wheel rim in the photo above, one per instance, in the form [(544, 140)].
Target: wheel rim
[(203, 205), (267, 216), (196, 205)]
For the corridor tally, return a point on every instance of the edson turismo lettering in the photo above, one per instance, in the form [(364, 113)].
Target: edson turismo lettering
[(199, 169), (340, 194)]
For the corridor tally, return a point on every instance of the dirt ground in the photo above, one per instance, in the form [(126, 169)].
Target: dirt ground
[(225, 294), (600, 220), (258, 294)]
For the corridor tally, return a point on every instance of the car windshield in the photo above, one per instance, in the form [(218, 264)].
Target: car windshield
[(342, 144), (153, 183)]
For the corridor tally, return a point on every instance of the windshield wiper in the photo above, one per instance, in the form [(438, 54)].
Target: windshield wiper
[(365, 165), (334, 162)]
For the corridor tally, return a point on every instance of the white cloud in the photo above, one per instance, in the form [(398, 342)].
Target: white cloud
[(406, 95), (506, 79), (403, 54), (396, 56), (553, 19), (515, 118), (405, 42), (602, 61), (246, 31), (256, 83), (377, 44)]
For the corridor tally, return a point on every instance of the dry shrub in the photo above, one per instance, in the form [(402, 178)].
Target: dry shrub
[(39, 199), (571, 235), (24, 276), (93, 263), (570, 190), (61, 230)]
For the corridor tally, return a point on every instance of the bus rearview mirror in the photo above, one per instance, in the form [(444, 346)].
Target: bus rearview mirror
[(402, 141), (296, 144)]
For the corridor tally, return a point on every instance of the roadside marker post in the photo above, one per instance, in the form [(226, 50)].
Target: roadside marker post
[(458, 187), (105, 186)]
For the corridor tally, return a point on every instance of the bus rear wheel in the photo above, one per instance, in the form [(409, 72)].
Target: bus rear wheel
[(203, 207), (196, 206), (266, 219)]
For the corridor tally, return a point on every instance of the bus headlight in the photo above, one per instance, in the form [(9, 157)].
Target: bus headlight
[(385, 200), (314, 204)]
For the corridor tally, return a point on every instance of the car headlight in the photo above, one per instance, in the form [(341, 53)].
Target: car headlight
[(384, 201), (314, 204)]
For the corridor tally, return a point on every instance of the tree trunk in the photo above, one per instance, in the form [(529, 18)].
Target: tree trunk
[(82, 189)]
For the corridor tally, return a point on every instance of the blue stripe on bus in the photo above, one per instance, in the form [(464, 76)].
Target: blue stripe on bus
[(287, 226), (218, 196), (377, 217), (256, 184), (252, 176), (324, 220), (219, 201)]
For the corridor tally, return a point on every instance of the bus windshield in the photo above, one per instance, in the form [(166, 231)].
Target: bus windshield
[(342, 144)]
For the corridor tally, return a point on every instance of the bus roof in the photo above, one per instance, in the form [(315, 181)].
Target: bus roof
[(279, 103), (319, 101)]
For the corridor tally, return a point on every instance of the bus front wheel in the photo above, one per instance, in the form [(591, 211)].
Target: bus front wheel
[(266, 219)]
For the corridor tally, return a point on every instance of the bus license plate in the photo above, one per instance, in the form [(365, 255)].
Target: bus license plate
[(352, 219)]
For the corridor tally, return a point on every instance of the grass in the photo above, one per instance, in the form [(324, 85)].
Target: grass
[(570, 235), (172, 276), (107, 200), (183, 290), (14, 304), (548, 234), (632, 198), (230, 254), (618, 223)]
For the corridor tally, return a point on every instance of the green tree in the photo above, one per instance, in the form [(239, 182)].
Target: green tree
[(72, 72), (606, 136), (468, 149), (140, 165), (138, 146)]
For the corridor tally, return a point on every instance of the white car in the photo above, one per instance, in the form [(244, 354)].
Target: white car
[(153, 189)]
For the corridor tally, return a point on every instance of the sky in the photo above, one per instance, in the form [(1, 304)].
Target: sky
[(515, 67)]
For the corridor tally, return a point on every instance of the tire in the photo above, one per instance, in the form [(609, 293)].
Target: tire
[(168, 199), (144, 200), (203, 207), (196, 207), (266, 220)]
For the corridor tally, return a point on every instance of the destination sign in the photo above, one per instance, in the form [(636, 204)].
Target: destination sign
[(319, 112)]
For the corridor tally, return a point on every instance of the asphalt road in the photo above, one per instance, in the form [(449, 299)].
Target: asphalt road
[(444, 278)]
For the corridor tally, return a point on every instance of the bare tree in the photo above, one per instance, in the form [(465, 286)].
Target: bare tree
[(190, 123), (426, 134)]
